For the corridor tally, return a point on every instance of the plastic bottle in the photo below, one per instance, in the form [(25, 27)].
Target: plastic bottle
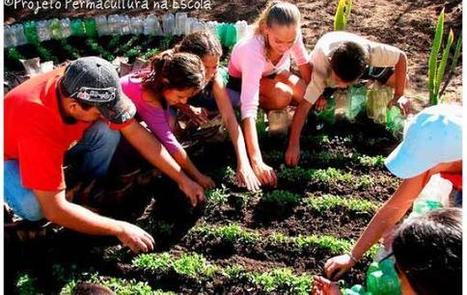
[(90, 27), (327, 115), (124, 22), (197, 26), (434, 195), (19, 34), (43, 30), (242, 29), (66, 27), (340, 97), (189, 22), (77, 27), (180, 21), (230, 35), (55, 29), (395, 121), (30, 31), (378, 97), (356, 290), (137, 25), (101, 25), (112, 22), (9, 39), (382, 278), (356, 101), (168, 24)]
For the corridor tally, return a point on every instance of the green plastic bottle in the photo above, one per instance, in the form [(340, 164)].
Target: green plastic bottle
[(382, 278), (221, 31), (356, 101), (30, 31), (328, 115), (55, 29), (356, 290), (77, 27), (394, 121), (230, 35), (90, 27)]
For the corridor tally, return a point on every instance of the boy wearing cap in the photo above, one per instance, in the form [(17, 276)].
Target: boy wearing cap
[(432, 144), (57, 114), (339, 60)]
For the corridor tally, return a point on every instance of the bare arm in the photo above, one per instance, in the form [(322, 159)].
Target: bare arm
[(244, 171), (62, 212), (400, 70), (305, 72), (184, 161), (387, 216), (292, 154), (158, 156)]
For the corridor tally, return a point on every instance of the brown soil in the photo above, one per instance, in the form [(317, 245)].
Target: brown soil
[(408, 25)]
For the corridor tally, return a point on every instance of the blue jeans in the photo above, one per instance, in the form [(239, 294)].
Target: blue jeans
[(94, 151)]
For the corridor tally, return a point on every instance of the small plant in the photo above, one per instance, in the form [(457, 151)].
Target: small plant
[(230, 233), (282, 198), (377, 161), (436, 70), (70, 51), (283, 279), (342, 14), (329, 243), (159, 262), (133, 53), (217, 197), (194, 265), (327, 202), (26, 285), (45, 54), (14, 54), (99, 50), (150, 53)]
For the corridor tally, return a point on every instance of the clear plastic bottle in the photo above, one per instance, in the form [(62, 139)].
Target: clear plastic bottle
[(378, 97), (19, 34), (180, 21), (43, 30), (137, 25), (113, 23), (242, 29), (189, 22), (9, 38), (101, 25), (66, 27), (356, 101), (197, 26), (434, 195), (168, 24)]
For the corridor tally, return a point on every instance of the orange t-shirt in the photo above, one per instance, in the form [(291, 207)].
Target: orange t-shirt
[(35, 133)]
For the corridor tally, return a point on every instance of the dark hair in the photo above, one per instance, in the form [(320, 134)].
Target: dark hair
[(91, 289), (428, 250), (349, 61), (200, 43), (174, 70)]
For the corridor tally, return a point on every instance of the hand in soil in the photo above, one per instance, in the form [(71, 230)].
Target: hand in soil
[(336, 266), (265, 174), (245, 177), (193, 191), (205, 181), (323, 286), (135, 238), (403, 103), (197, 116), (292, 155)]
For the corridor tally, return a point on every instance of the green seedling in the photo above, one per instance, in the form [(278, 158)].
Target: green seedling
[(377, 161), (282, 198), (150, 53), (217, 197), (26, 285), (328, 243), (283, 279), (327, 202), (194, 266), (157, 262)]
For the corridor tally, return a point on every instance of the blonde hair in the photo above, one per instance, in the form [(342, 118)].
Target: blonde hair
[(277, 13)]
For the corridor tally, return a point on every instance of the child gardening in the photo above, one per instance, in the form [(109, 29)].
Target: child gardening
[(338, 60), (259, 70), (214, 97), (172, 79), (432, 144)]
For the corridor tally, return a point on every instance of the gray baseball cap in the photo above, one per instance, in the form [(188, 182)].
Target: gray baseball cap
[(95, 81)]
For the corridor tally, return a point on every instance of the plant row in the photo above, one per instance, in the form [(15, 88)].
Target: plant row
[(195, 266)]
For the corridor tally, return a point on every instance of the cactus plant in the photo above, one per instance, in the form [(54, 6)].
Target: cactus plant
[(342, 14), (436, 69)]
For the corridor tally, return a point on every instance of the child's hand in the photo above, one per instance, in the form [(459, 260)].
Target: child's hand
[(246, 177), (205, 181), (320, 104), (336, 266), (193, 191), (196, 116), (323, 286), (265, 174), (292, 155), (403, 103)]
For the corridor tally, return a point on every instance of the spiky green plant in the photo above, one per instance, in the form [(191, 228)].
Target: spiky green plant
[(342, 14), (436, 69), (282, 198)]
